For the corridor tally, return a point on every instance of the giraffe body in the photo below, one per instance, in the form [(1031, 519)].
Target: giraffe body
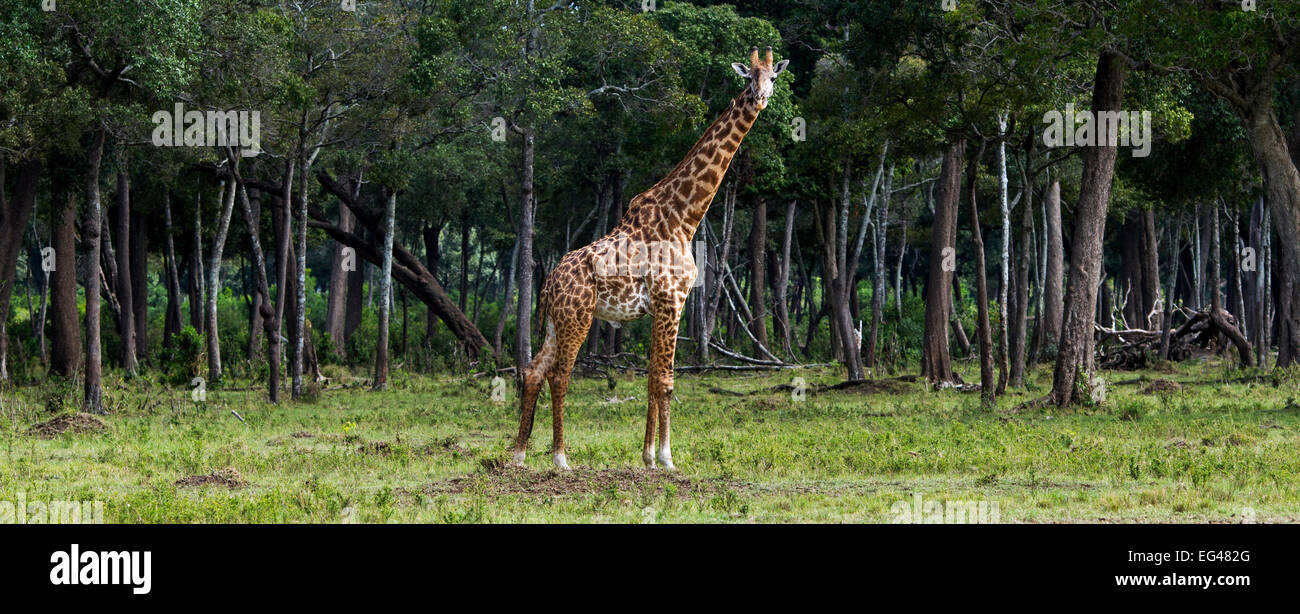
[(644, 266)]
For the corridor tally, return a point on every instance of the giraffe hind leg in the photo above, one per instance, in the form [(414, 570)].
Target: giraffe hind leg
[(539, 369)]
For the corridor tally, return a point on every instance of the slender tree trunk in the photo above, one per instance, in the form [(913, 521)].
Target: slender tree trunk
[(173, 319), (94, 394), (65, 334), (125, 294), (1020, 315), (280, 218), (1053, 300), (197, 283), (252, 219), (433, 259), (780, 305), (1167, 323), (758, 277), (988, 392), (878, 287), (336, 307), (505, 300), (1074, 358), (1004, 339), (226, 196), (140, 285), (1151, 315), (524, 268), (300, 330), (385, 294), (936, 362)]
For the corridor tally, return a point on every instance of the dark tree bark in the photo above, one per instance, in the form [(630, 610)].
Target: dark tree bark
[(140, 284), (252, 220), (125, 293), (1150, 264), (433, 258), (1020, 313), (336, 305), (1074, 358), (172, 321), (226, 198), (65, 335), (385, 294), (780, 306), (280, 225), (1053, 301), (936, 362), (197, 283), (988, 391), (14, 214), (758, 277), (93, 401), (524, 268)]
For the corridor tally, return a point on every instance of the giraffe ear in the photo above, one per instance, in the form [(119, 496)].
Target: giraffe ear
[(740, 69), (780, 66)]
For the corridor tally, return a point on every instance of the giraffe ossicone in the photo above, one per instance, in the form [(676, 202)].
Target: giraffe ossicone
[(644, 266)]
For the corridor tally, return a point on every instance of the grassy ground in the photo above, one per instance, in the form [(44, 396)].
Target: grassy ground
[(1220, 449)]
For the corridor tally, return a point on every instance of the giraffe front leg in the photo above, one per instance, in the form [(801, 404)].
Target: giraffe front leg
[(662, 352)]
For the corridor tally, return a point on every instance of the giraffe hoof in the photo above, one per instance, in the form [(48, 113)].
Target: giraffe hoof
[(518, 460), (560, 462), (649, 460), (666, 459)]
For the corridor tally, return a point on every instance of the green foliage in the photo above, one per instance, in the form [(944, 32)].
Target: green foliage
[(184, 359)]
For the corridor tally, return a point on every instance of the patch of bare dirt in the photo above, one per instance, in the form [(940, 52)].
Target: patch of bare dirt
[(302, 435), (76, 423), (499, 478), (228, 477), (1161, 385)]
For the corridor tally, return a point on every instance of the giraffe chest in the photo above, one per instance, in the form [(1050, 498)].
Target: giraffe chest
[(622, 299)]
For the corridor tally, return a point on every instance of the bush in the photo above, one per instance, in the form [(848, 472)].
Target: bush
[(184, 359)]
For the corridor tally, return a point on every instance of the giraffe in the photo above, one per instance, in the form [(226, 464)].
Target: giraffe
[(643, 266)]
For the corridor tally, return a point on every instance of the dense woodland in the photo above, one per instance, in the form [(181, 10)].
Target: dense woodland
[(420, 166)]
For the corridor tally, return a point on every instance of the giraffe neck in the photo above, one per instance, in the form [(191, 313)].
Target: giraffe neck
[(684, 195)]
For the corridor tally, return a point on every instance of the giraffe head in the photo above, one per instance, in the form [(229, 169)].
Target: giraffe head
[(761, 74)]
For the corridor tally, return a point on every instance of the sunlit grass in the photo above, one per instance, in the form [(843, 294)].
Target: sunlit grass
[(1217, 450)]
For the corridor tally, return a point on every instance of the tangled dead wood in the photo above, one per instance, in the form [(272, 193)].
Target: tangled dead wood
[(1135, 348)]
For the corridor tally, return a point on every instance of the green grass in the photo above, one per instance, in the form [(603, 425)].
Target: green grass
[(1224, 443)]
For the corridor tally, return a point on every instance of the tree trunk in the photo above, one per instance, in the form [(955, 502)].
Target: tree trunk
[(385, 294), (65, 337), (1074, 357), (432, 258), (280, 223), (758, 277), (1004, 339), (1020, 315), (878, 288), (125, 293), (197, 283), (936, 362), (1152, 317), (252, 219), (93, 401), (1166, 323), (13, 223), (780, 305), (140, 284), (336, 306), (524, 268), (172, 323), (988, 393), (1053, 301), (226, 196)]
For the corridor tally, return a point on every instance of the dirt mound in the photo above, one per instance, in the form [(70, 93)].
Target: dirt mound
[(499, 478), (228, 477), (301, 435), (77, 423), (1161, 385), (377, 447)]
